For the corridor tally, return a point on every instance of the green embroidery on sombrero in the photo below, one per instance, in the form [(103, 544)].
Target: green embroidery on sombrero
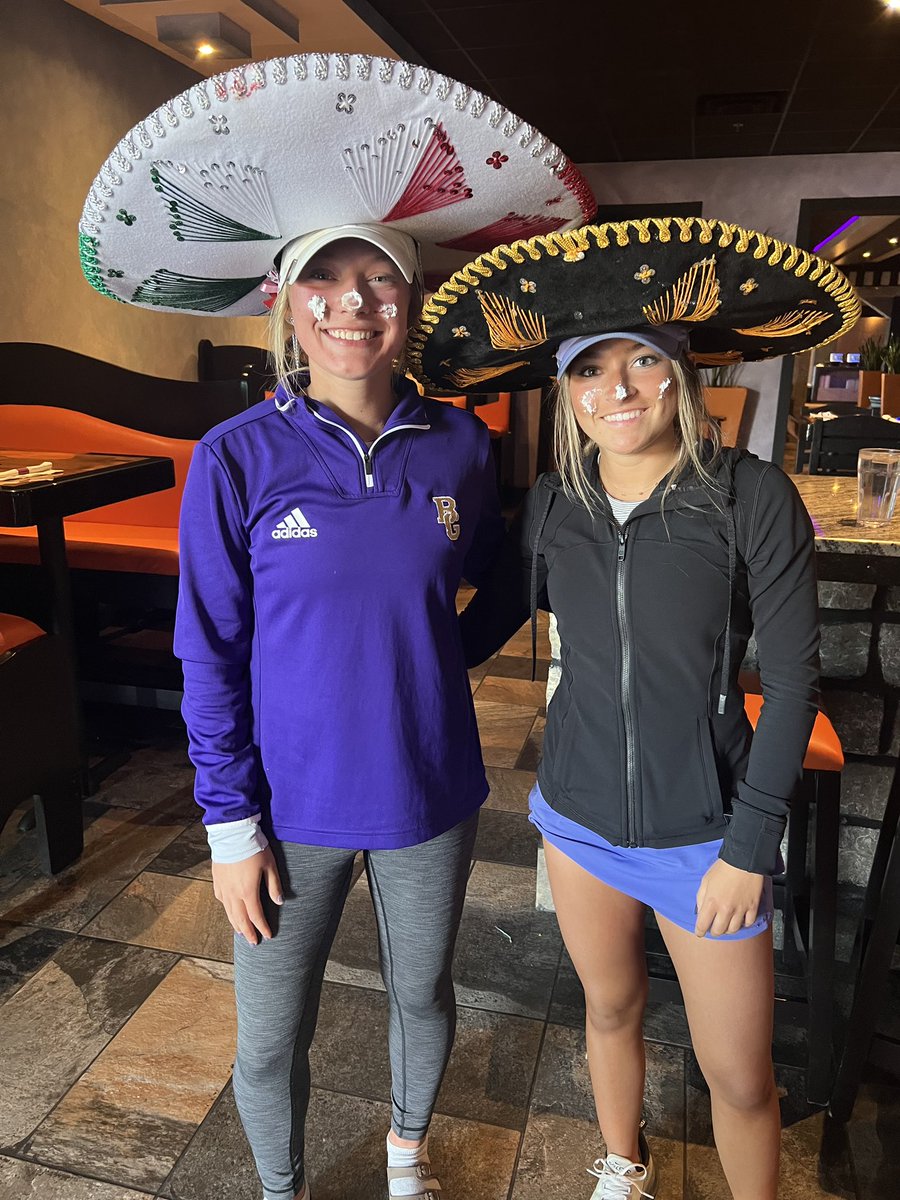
[(169, 289), (90, 265), (242, 193)]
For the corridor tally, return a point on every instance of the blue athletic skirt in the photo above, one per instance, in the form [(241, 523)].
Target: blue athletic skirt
[(666, 880)]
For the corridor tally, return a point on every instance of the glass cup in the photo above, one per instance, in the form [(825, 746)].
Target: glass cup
[(878, 474)]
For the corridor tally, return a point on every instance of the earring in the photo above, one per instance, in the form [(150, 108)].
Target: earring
[(290, 320), (295, 351)]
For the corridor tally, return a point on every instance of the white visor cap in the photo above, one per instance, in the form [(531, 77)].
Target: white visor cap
[(399, 247)]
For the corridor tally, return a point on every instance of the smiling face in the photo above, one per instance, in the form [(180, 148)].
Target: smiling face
[(350, 307), (625, 398)]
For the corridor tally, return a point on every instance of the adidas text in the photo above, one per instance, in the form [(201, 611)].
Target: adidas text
[(294, 525), (280, 532)]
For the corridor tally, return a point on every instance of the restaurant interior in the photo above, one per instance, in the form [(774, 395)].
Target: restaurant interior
[(116, 999)]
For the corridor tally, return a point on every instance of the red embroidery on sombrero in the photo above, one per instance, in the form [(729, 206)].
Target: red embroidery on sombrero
[(504, 231), (570, 177), (438, 180)]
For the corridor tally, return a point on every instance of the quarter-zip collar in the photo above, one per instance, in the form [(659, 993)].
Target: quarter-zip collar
[(313, 417)]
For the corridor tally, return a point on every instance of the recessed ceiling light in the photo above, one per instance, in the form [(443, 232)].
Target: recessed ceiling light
[(893, 241), (892, 5), (867, 253), (188, 32)]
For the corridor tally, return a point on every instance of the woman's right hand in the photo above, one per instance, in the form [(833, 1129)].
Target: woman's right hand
[(237, 886)]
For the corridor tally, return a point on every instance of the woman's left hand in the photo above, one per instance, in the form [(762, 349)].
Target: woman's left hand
[(727, 899)]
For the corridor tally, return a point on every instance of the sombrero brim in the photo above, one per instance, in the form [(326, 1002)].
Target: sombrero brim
[(189, 211), (743, 295)]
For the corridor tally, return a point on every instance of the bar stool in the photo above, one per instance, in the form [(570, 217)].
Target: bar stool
[(879, 930), (809, 885)]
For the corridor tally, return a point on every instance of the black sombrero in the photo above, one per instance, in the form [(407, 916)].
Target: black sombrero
[(742, 295)]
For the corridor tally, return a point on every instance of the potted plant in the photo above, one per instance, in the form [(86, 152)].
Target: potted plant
[(890, 379), (725, 401), (871, 353)]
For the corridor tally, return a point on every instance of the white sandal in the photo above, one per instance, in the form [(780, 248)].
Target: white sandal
[(418, 1182)]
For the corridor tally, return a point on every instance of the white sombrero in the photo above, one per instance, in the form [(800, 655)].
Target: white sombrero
[(191, 208)]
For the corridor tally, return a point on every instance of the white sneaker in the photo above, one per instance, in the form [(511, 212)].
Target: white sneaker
[(620, 1179)]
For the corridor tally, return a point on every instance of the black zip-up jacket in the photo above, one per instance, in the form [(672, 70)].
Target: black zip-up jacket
[(647, 742)]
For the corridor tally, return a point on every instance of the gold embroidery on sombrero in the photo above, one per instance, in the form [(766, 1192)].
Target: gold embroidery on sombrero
[(509, 326), (715, 358), (573, 244), (789, 324), (472, 376), (679, 302)]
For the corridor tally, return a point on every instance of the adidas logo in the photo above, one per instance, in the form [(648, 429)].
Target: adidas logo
[(294, 525)]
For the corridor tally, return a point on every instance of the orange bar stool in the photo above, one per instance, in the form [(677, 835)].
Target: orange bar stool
[(810, 884), (39, 738)]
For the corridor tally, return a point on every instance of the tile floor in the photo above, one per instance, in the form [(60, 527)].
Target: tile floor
[(117, 1027)]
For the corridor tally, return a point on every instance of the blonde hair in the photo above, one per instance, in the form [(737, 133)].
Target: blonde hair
[(281, 333), (576, 453)]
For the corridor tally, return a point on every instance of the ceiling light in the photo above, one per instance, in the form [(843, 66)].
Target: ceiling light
[(892, 5), (893, 241), (188, 32), (867, 253)]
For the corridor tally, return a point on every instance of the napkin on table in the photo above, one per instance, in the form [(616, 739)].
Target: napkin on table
[(37, 471)]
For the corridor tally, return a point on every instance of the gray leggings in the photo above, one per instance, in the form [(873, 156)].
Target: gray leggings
[(418, 895)]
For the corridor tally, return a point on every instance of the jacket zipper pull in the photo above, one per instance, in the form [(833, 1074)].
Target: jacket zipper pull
[(622, 543), (367, 467)]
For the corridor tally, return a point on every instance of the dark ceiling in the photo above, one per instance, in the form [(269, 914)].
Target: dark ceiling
[(669, 80)]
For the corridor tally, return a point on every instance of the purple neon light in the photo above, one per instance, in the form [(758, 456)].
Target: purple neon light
[(832, 236)]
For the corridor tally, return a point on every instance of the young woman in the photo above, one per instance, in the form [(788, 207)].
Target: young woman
[(324, 537), (658, 552)]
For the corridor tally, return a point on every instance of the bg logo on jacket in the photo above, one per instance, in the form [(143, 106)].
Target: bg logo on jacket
[(447, 515)]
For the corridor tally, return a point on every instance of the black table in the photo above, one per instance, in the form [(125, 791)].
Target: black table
[(87, 481)]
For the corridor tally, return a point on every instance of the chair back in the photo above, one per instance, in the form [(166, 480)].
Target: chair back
[(29, 427), (726, 407), (250, 363), (834, 445), (33, 373), (495, 414)]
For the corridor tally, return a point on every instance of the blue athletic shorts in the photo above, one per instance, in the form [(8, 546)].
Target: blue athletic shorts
[(666, 880)]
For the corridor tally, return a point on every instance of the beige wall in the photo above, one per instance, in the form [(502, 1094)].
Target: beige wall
[(72, 87), (762, 193)]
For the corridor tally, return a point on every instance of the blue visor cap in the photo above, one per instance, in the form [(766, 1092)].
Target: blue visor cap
[(669, 340)]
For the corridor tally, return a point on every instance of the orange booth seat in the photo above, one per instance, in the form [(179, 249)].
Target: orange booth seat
[(139, 535)]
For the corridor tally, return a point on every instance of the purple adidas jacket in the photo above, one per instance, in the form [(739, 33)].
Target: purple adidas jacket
[(324, 681)]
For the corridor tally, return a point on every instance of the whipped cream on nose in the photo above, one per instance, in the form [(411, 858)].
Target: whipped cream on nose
[(621, 391), (351, 301), (317, 306)]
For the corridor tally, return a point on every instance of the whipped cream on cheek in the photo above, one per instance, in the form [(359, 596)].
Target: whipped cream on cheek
[(589, 401), (388, 310), (664, 387), (317, 305)]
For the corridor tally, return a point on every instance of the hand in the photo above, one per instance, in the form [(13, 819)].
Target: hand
[(727, 899), (237, 887)]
